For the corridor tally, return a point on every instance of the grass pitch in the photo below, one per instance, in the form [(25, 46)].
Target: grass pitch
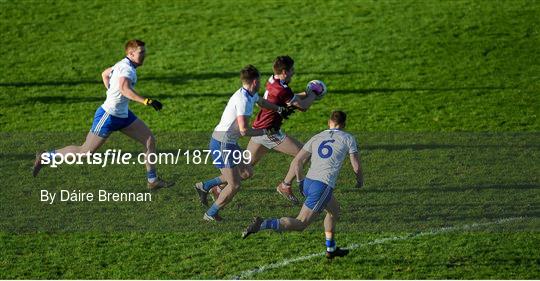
[(442, 97)]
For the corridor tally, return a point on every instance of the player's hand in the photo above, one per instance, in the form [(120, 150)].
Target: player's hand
[(271, 131), (285, 112), (154, 103)]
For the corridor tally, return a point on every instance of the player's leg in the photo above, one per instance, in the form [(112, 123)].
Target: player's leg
[(246, 172), (332, 216), (94, 140), (138, 131), (232, 176), (317, 196), (216, 185), (91, 144), (256, 150), (301, 222), (290, 146)]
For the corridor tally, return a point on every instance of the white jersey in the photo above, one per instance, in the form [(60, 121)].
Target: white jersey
[(241, 103), (328, 151), (116, 104)]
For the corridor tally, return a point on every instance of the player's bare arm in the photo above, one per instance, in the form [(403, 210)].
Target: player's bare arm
[(129, 92), (303, 101), (268, 105), (245, 130), (106, 77), (357, 169), (297, 164)]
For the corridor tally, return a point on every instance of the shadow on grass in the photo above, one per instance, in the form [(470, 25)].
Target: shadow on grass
[(55, 99), (394, 147), (394, 90), (438, 189)]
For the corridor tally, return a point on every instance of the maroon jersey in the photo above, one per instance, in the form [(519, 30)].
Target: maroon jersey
[(278, 93)]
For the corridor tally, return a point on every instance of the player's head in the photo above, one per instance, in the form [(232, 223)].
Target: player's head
[(251, 78), (337, 119), (284, 68), (135, 51)]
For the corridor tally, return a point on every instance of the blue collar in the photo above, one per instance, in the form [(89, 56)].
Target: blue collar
[(132, 63), (245, 91)]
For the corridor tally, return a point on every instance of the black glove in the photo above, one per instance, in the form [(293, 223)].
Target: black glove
[(285, 112), (154, 103)]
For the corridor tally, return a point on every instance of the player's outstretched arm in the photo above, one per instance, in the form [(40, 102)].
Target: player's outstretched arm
[(285, 112), (303, 101), (128, 92), (245, 130), (268, 105), (357, 168), (106, 77)]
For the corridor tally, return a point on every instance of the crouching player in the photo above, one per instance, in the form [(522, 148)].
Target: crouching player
[(327, 150), (224, 146)]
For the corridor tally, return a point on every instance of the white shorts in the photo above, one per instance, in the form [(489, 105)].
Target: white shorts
[(270, 141)]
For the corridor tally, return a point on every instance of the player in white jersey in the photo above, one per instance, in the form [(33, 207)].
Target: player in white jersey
[(327, 150), (114, 114), (226, 153)]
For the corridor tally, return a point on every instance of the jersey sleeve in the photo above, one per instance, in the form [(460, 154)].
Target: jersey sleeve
[(243, 108), (127, 72), (353, 146), (309, 143), (286, 96)]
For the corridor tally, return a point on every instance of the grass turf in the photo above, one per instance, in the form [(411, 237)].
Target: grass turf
[(412, 76)]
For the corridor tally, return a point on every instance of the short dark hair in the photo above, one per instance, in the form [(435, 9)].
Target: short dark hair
[(338, 117), (249, 73), (133, 44), (282, 63)]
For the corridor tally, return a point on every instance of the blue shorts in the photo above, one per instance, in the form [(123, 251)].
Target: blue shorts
[(224, 154), (104, 123), (317, 194)]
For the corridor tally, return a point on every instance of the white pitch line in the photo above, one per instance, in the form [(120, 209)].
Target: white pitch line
[(247, 273)]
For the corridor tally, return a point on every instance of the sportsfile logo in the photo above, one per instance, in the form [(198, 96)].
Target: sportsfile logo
[(117, 157)]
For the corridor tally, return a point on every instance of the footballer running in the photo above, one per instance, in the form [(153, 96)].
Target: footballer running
[(114, 115), (234, 123), (327, 150), (277, 92)]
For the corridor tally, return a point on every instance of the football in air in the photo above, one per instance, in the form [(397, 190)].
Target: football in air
[(316, 87)]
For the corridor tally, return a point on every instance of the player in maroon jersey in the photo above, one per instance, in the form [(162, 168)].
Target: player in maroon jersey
[(279, 93)]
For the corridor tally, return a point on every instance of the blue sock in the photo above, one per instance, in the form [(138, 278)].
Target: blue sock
[(270, 224), (330, 245), (151, 175), (213, 211), (207, 185)]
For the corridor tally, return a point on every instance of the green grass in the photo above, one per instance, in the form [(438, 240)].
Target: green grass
[(441, 95)]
